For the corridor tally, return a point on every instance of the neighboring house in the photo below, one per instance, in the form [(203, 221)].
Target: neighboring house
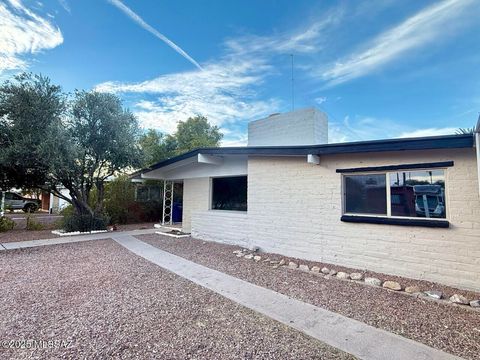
[(52, 203), (407, 207)]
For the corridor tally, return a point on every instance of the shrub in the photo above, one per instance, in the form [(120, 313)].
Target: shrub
[(67, 210), (119, 197), (33, 224), (84, 223), (6, 224)]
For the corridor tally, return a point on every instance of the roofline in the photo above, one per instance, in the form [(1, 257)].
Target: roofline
[(402, 144)]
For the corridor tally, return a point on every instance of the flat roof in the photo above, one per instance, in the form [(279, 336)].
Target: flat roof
[(419, 143)]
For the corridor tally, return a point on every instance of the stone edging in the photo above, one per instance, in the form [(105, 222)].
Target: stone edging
[(358, 277)]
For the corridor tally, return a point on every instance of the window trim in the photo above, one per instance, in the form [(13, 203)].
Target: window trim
[(210, 198), (347, 217)]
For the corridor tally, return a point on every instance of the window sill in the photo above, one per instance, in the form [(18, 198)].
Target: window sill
[(395, 221)]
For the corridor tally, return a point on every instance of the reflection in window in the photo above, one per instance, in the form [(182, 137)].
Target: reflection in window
[(229, 193), (418, 193), (366, 194)]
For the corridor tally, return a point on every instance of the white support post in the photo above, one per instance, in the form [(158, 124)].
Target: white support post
[(313, 159), (2, 205), (167, 215)]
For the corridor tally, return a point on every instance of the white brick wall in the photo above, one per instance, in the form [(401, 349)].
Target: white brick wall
[(301, 127), (294, 208), (196, 196), (229, 227)]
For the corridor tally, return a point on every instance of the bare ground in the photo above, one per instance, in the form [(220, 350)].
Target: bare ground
[(108, 303), (449, 328)]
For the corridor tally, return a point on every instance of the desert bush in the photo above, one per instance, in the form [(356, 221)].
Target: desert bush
[(85, 223), (119, 196), (33, 224), (6, 224)]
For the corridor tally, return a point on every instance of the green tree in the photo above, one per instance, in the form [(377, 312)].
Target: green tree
[(195, 132), (50, 145), (464, 131), (31, 110), (155, 147)]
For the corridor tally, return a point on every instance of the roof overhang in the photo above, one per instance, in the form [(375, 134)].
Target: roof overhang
[(213, 156)]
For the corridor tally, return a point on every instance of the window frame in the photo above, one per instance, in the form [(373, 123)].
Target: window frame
[(387, 174), (210, 198)]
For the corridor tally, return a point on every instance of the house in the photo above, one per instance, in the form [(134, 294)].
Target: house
[(408, 207)]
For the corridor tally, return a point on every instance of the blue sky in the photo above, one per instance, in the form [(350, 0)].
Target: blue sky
[(379, 69)]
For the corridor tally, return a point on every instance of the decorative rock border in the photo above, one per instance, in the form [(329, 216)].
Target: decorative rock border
[(63, 233), (389, 285), (174, 233)]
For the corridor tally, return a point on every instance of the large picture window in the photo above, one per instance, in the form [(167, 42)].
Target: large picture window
[(229, 193), (413, 194), (366, 194)]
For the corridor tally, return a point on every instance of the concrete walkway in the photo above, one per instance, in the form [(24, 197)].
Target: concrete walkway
[(351, 336), (70, 239)]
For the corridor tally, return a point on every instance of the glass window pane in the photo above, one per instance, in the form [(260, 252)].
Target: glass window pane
[(366, 194), (229, 193), (418, 193), (142, 193)]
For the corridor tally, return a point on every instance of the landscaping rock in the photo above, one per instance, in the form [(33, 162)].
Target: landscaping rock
[(239, 255), (392, 285), (282, 262), (249, 256), (434, 294), (325, 270), (412, 289), (266, 260), (356, 276), (292, 265), (458, 299), (373, 281), (315, 269), (304, 267), (342, 275), (237, 251), (257, 258), (332, 272), (475, 303)]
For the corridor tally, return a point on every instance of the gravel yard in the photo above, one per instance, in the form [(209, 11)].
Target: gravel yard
[(24, 235), (110, 303), (449, 328)]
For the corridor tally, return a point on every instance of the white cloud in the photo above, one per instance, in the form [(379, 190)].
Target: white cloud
[(428, 132), (320, 100), (22, 32), (135, 17), (433, 23), (226, 90), (362, 128), (223, 91), (64, 4)]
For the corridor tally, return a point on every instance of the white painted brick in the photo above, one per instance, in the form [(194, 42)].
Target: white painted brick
[(294, 209)]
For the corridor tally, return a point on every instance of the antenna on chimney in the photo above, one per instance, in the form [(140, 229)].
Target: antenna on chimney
[(293, 93)]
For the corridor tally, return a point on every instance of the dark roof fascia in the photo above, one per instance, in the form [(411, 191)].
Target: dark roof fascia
[(423, 143)]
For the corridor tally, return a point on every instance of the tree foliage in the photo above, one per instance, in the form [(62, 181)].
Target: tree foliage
[(195, 132), (463, 131), (49, 143), (31, 109)]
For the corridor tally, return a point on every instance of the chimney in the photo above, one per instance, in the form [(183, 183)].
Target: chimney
[(301, 127)]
